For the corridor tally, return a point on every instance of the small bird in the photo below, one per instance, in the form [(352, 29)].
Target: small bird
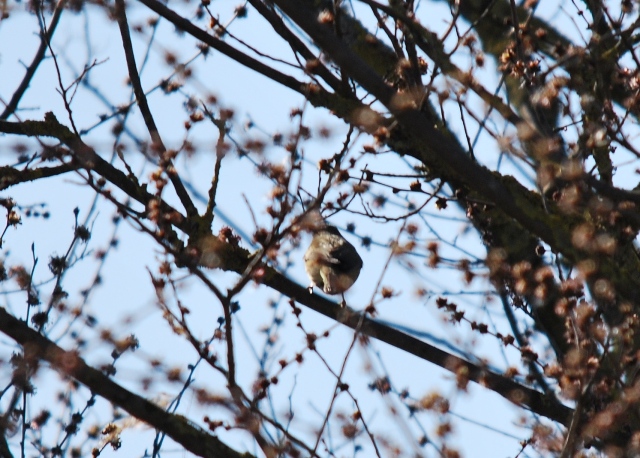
[(331, 262)]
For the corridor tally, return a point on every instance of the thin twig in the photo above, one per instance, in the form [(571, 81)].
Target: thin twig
[(183, 195), (45, 39)]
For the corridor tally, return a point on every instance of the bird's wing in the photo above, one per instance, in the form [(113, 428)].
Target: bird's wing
[(345, 257)]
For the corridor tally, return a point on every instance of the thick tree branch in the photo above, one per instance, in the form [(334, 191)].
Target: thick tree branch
[(442, 154), (11, 176), (69, 363), (517, 393), (224, 48), (89, 159)]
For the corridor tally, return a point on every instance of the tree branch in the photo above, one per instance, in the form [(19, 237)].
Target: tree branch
[(441, 153), (520, 395), (515, 392), (12, 106), (89, 159), (224, 48), (182, 193), (10, 176), (189, 435)]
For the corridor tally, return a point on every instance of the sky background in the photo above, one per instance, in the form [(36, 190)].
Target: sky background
[(485, 425)]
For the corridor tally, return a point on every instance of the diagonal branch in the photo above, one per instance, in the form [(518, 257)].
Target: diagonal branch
[(297, 45), (183, 195), (224, 48), (69, 363), (442, 153), (513, 391), (10, 176), (45, 39), (90, 160)]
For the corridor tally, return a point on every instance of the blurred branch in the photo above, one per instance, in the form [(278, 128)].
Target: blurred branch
[(488, 19), (297, 45), (69, 363), (432, 46), (88, 159), (45, 39), (11, 176), (249, 62)]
